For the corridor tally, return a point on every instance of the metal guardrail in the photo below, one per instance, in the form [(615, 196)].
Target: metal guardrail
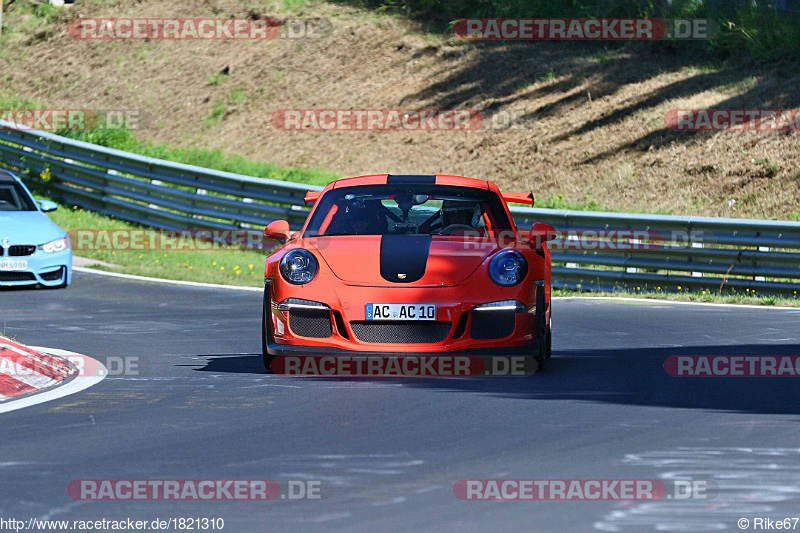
[(666, 253)]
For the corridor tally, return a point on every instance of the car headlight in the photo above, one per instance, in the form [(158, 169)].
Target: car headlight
[(58, 245), (508, 268), (299, 266)]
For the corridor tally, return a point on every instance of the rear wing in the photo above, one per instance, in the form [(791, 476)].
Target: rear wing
[(312, 196), (518, 197)]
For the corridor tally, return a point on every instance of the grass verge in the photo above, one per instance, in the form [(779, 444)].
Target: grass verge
[(225, 265), (703, 297)]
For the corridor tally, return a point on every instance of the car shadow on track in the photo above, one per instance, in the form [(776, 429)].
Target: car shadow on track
[(633, 376), (236, 363)]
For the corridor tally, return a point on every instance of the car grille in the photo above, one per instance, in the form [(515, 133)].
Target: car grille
[(16, 276), (314, 323), (53, 276), (391, 332), (492, 324), (21, 250)]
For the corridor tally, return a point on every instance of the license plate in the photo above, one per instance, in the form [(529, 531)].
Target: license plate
[(13, 265), (401, 312)]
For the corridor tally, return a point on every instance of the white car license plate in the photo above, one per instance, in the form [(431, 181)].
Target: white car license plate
[(9, 265), (401, 312)]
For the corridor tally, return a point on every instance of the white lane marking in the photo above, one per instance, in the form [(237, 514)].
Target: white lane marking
[(324, 518), (77, 384), (676, 302), (258, 289), (167, 281)]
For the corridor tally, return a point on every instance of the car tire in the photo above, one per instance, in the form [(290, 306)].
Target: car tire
[(266, 332), (540, 355), (542, 332), (548, 353)]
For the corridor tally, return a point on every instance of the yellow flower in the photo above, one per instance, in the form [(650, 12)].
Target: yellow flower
[(251, 268), (222, 268), (214, 263)]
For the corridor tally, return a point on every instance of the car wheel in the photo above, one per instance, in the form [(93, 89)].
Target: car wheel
[(542, 344), (541, 354), (266, 331), (549, 342)]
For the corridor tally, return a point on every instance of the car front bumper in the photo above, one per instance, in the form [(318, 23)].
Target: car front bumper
[(47, 270), (344, 318)]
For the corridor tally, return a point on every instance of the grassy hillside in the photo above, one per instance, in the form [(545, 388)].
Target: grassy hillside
[(589, 118)]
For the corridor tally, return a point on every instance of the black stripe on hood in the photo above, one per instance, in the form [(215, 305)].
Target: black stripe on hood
[(404, 254)]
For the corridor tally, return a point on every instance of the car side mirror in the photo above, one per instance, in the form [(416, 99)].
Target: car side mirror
[(278, 230), (542, 232), (47, 206)]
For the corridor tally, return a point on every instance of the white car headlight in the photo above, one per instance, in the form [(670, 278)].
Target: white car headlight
[(58, 245)]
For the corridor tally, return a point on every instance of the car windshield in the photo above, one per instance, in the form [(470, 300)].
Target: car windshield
[(408, 209), (13, 197)]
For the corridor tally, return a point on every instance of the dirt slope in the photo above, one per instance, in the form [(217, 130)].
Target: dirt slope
[(591, 121)]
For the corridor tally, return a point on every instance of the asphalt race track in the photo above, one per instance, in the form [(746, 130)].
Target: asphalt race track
[(388, 451)]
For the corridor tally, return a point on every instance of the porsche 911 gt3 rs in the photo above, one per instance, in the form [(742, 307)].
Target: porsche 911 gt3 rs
[(398, 265)]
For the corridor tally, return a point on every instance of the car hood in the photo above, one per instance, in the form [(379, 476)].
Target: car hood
[(28, 227), (399, 260)]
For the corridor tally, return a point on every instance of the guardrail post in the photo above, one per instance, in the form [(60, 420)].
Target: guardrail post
[(762, 249), (697, 245)]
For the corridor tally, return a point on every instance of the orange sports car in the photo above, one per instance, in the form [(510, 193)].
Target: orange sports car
[(398, 265)]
